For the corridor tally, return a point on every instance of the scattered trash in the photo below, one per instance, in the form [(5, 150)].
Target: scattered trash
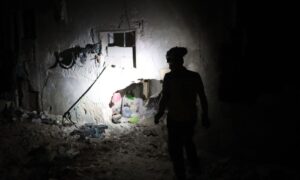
[(131, 108), (134, 119), (126, 112), (90, 130)]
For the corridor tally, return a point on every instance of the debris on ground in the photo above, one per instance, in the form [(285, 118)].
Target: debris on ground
[(35, 146), (90, 130)]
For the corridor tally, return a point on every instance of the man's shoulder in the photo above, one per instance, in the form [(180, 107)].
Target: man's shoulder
[(192, 73), (186, 73), (168, 74)]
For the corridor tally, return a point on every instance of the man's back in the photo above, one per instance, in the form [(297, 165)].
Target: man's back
[(179, 96), (180, 89)]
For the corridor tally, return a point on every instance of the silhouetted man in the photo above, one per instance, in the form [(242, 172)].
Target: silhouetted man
[(179, 96)]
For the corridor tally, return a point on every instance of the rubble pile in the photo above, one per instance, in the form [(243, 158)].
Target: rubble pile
[(128, 108), (37, 146), (11, 114), (90, 130)]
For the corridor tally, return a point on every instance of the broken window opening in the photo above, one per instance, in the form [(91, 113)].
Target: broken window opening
[(122, 39), (120, 47)]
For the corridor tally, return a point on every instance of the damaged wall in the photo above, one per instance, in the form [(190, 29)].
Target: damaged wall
[(65, 25), (230, 46), (155, 34)]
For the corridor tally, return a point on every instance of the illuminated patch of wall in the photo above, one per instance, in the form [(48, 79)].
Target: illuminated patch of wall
[(156, 28)]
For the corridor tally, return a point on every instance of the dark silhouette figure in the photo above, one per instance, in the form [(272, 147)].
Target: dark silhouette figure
[(179, 95)]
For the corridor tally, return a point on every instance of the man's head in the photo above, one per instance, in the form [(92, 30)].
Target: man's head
[(175, 57)]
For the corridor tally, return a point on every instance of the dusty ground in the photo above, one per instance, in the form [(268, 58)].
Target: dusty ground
[(35, 150)]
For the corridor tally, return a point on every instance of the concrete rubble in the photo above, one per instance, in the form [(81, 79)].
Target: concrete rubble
[(38, 146)]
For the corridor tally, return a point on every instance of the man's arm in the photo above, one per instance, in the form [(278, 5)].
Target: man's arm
[(203, 101), (162, 103)]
